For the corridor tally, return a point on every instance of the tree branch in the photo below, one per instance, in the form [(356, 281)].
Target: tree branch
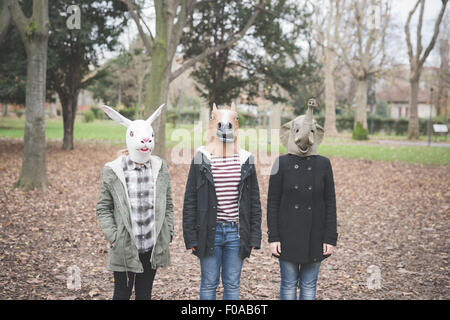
[(419, 47), (5, 19), (408, 35), (19, 19), (219, 47), (147, 39), (435, 34), (187, 7)]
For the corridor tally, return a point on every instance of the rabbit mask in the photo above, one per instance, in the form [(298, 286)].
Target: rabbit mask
[(140, 136)]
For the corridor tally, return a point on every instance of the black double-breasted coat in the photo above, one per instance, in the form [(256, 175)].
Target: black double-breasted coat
[(301, 207), (200, 207)]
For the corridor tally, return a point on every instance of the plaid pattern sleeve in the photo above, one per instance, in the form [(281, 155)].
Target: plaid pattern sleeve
[(140, 192)]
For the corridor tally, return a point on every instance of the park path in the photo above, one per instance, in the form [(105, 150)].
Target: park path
[(415, 143), (391, 215)]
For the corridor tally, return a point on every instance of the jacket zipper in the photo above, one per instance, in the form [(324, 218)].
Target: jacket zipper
[(154, 213), (123, 246), (156, 236), (239, 208)]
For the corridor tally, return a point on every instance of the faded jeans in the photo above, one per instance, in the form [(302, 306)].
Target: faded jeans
[(225, 260), (293, 274)]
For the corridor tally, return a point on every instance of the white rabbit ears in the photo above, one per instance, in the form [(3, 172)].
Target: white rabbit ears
[(155, 114), (116, 116)]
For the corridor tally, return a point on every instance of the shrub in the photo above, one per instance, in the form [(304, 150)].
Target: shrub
[(19, 113), (359, 133), (88, 116), (98, 113), (172, 117), (247, 119), (129, 113)]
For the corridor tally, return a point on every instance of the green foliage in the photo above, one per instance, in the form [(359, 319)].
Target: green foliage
[(118, 76), (172, 117), (261, 60), (13, 72), (98, 113), (31, 29), (189, 116), (388, 126), (247, 119), (88, 116), (18, 113), (359, 133), (129, 113)]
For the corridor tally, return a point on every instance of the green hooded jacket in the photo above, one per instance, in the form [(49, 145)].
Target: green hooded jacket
[(113, 213)]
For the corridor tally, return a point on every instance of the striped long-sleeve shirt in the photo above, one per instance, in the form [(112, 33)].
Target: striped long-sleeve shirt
[(227, 175)]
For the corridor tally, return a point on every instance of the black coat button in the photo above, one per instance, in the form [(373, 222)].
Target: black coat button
[(296, 166), (309, 187), (296, 206), (296, 187), (309, 207), (309, 168)]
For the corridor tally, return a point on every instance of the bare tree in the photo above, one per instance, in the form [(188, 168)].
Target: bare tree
[(170, 20), (362, 46), (443, 85), (326, 24), (417, 59), (34, 34)]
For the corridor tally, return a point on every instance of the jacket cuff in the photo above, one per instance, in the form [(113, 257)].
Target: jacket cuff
[(331, 239), (255, 244), (191, 245), (273, 238)]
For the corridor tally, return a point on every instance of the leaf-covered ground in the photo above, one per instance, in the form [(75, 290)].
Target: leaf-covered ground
[(391, 215)]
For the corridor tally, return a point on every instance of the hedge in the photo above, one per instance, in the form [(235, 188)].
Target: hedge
[(385, 125)]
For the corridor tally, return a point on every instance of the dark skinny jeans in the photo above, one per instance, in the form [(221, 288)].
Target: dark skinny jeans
[(143, 282)]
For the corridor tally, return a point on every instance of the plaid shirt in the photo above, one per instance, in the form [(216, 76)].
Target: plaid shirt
[(140, 192)]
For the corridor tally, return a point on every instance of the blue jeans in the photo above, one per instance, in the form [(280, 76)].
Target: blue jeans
[(292, 274), (225, 259)]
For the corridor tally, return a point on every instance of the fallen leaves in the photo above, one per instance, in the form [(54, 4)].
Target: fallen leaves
[(391, 215)]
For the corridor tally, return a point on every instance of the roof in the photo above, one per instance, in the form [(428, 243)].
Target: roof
[(399, 93)]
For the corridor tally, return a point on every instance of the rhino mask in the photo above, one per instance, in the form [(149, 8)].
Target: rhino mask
[(302, 135)]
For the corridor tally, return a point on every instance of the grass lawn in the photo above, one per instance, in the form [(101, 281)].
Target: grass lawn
[(105, 130)]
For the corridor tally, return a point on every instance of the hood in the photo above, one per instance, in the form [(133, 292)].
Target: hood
[(244, 155), (116, 166)]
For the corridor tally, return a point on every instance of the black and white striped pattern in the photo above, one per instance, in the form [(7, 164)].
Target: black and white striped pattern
[(227, 175), (140, 192)]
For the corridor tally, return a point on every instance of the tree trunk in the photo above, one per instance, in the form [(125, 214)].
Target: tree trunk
[(69, 110), (330, 93), (443, 78), (158, 85), (361, 102), (5, 109), (157, 92), (413, 125), (34, 174), (52, 111)]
